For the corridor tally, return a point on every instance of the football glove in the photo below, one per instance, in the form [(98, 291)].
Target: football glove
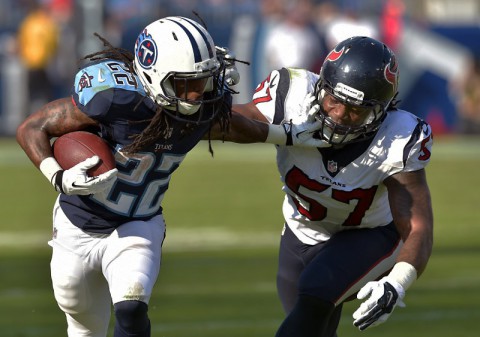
[(303, 134), (232, 76), (76, 181), (385, 295), (300, 134), (310, 108)]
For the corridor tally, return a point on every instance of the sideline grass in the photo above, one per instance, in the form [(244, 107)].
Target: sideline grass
[(219, 264)]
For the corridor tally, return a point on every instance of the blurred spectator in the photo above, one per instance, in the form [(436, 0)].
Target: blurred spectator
[(337, 24), (249, 32), (37, 44), (125, 19), (293, 41), (468, 101), (63, 66), (391, 22), (13, 86), (267, 33)]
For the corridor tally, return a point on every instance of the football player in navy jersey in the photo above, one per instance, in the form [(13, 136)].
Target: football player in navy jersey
[(358, 214), (152, 107)]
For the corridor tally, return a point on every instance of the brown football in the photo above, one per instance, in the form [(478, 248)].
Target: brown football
[(74, 147)]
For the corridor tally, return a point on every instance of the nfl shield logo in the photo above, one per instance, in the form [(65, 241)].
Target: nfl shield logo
[(332, 166)]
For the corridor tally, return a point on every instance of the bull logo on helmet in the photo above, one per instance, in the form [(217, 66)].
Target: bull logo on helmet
[(391, 73), (146, 50), (334, 55)]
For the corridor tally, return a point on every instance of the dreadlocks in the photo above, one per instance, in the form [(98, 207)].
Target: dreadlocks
[(113, 53), (159, 125)]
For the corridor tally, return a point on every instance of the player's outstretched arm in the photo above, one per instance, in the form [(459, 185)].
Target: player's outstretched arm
[(248, 125)]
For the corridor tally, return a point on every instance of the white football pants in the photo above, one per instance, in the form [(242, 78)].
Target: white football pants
[(90, 271)]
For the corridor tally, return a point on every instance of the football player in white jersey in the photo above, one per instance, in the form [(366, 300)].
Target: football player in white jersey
[(358, 214), (152, 108)]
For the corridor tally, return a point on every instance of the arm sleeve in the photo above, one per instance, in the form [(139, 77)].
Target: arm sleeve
[(418, 150), (268, 96)]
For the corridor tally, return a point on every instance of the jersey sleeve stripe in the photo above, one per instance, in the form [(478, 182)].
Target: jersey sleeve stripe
[(413, 140), (282, 90)]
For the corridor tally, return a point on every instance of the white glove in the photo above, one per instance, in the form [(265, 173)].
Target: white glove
[(309, 108), (385, 295), (75, 180), (232, 76), (303, 134)]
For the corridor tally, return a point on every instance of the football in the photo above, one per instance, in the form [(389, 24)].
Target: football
[(74, 147)]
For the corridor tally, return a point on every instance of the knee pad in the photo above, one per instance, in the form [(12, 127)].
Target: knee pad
[(131, 319)]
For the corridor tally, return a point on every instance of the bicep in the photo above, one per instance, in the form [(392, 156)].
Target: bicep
[(410, 200), (411, 207), (57, 118), (52, 120)]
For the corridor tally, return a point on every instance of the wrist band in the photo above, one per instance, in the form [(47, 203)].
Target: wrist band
[(404, 273), (49, 167), (276, 135)]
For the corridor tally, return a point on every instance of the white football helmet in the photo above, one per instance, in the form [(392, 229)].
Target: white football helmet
[(174, 51)]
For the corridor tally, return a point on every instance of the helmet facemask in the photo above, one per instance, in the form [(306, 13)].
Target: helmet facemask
[(177, 86), (361, 73), (337, 134)]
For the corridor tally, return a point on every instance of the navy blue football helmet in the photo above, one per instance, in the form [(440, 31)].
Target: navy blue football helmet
[(362, 72)]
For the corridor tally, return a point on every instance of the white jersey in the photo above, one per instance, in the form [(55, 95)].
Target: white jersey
[(330, 190)]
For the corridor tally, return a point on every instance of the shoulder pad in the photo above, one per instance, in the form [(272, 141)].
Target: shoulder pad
[(105, 75)]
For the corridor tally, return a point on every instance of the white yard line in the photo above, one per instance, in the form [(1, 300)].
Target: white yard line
[(178, 240)]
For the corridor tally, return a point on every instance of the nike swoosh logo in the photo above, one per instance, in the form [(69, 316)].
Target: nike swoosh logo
[(299, 133), (77, 185), (272, 85), (100, 77), (86, 182)]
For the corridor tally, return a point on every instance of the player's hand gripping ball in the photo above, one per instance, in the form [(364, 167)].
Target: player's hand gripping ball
[(74, 147)]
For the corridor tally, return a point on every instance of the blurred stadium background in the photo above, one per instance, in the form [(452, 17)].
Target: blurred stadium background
[(218, 276), (436, 41)]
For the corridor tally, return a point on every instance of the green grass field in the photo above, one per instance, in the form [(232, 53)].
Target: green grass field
[(218, 274)]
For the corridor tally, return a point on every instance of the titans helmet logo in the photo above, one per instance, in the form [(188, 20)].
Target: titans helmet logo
[(146, 50)]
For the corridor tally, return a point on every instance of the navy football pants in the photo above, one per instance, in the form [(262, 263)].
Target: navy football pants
[(333, 271)]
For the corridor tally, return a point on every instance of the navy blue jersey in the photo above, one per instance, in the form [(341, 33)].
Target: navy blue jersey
[(107, 92)]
